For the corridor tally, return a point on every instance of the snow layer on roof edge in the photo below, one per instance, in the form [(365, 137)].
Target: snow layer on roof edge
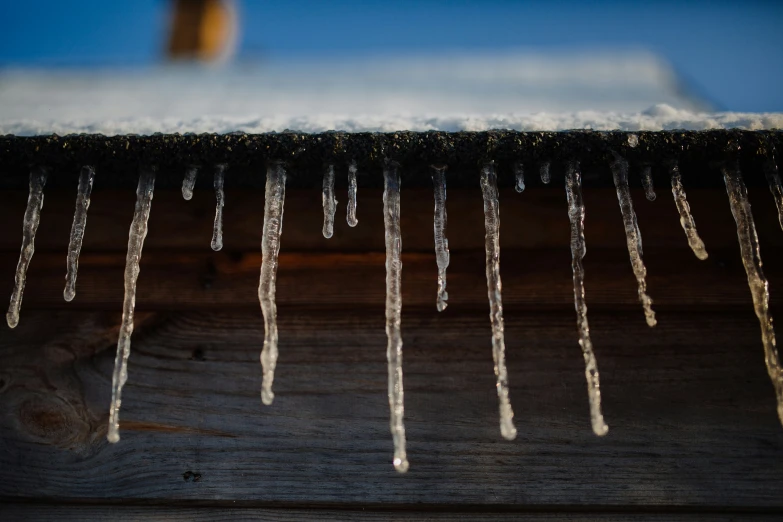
[(656, 118)]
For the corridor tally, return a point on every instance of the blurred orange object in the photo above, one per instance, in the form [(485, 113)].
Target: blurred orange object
[(202, 30)]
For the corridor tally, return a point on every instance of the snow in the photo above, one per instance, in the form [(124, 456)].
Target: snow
[(630, 91)]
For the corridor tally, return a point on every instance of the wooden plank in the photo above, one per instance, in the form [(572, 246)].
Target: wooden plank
[(535, 219), (691, 412), (532, 279), (64, 512)]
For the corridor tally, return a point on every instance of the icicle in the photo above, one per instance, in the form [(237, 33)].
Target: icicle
[(217, 229), (391, 220), (775, 185), (686, 219), (647, 181), (329, 202), (138, 231), (543, 171), (441, 242), (519, 174), (270, 248), (32, 216), (492, 245), (632, 234), (576, 214), (77, 230), (759, 287), (189, 182), (351, 215)]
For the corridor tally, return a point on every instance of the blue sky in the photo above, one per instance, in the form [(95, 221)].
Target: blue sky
[(730, 53)]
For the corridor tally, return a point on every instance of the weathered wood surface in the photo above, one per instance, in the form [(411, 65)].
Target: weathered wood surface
[(24, 512), (691, 411), (532, 279), (537, 218)]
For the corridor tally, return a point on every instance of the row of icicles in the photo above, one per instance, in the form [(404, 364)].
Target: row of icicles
[(270, 247)]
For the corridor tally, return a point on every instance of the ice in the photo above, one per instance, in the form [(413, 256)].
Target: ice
[(576, 214), (138, 231), (329, 202), (543, 171), (84, 190), (686, 219), (494, 286), (519, 175), (759, 287), (391, 220), (189, 182), (775, 186), (217, 229), (632, 234), (351, 215), (32, 217), (441, 242), (270, 248), (647, 181)]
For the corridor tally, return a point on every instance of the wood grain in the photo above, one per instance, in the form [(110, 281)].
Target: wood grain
[(691, 412), (532, 279), (80, 512), (535, 219)]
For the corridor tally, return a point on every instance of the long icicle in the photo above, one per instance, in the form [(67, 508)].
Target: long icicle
[(188, 182), (686, 218), (489, 190), (270, 248), (217, 228), (329, 202), (576, 214), (351, 214), (84, 190), (391, 220), (633, 236), (138, 231), (759, 287), (441, 242), (32, 217), (775, 185)]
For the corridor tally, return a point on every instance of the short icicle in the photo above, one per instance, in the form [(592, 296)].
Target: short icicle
[(84, 190), (217, 228), (391, 220), (270, 248), (350, 217), (441, 242), (759, 287), (32, 217), (686, 218), (543, 171), (576, 214), (188, 182), (489, 190), (775, 185), (138, 231), (632, 235), (329, 202), (647, 181), (519, 176)]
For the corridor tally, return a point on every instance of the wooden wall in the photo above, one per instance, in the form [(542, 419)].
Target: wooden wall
[(693, 430)]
